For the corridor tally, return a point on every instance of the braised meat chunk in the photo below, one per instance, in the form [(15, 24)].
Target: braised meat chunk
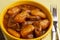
[(13, 32), (13, 11), (21, 17), (44, 23), (38, 13), (38, 31), (26, 30)]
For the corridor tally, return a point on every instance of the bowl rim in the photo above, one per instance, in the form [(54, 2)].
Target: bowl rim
[(1, 21)]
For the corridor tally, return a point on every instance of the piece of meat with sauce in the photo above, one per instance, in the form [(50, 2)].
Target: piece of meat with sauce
[(38, 28), (38, 31), (13, 32), (26, 30), (21, 17), (11, 22), (13, 11), (44, 23), (37, 12)]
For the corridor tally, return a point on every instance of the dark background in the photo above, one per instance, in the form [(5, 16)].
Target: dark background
[(1, 35)]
